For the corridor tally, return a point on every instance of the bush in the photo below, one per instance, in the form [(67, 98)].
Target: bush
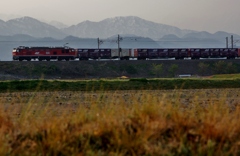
[(157, 69), (203, 67), (172, 70), (130, 69)]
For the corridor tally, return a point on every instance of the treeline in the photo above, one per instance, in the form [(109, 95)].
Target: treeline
[(114, 69)]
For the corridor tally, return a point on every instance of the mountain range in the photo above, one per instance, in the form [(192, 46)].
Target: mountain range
[(29, 26), (103, 29), (123, 25)]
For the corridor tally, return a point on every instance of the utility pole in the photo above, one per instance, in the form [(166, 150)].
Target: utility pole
[(98, 42), (232, 41), (119, 48), (226, 42), (118, 41)]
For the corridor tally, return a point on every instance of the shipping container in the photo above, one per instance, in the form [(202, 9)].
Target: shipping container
[(93, 54), (224, 53), (195, 53), (205, 53), (134, 53), (183, 53), (233, 53), (82, 54), (114, 53), (125, 54), (105, 53), (173, 53), (142, 54), (215, 53), (163, 53), (153, 53)]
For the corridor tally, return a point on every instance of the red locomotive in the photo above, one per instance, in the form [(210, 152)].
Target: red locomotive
[(44, 53)]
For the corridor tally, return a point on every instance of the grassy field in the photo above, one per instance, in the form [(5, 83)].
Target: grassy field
[(111, 85), (129, 122), (226, 76)]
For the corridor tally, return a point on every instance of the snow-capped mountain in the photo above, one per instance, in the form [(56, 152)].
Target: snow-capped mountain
[(103, 29), (123, 25), (29, 26)]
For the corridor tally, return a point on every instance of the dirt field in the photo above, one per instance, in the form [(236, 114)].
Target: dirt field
[(68, 102)]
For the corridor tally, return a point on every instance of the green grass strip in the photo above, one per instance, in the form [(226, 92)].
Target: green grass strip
[(132, 84)]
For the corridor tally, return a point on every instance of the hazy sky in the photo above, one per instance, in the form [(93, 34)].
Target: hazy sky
[(202, 15)]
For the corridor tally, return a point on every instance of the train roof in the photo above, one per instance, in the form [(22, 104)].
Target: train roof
[(23, 47)]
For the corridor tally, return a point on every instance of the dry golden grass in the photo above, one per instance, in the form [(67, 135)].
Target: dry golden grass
[(173, 122)]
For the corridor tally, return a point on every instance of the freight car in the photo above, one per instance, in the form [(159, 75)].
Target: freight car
[(214, 53), (86, 54), (162, 53), (43, 53), (185, 53), (66, 53)]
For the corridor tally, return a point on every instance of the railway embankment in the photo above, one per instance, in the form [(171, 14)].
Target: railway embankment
[(14, 70)]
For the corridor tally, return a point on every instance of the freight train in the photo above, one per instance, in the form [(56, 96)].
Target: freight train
[(66, 53)]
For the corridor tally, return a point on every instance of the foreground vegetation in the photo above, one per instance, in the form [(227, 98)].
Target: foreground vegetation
[(166, 122)]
